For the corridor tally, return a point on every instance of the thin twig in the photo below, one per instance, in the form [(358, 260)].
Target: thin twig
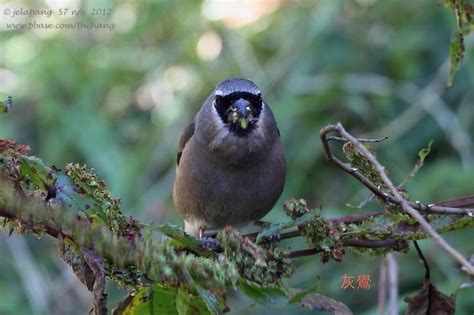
[(370, 244), (303, 253), (423, 260), (348, 169), (443, 210), (295, 232), (357, 218), (335, 138), (396, 197), (52, 231), (431, 208), (460, 202), (346, 243), (95, 263)]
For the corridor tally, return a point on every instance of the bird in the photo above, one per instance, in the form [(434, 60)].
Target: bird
[(231, 165)]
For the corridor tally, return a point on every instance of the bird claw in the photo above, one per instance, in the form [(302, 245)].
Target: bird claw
[(272, 240), (210, 243)]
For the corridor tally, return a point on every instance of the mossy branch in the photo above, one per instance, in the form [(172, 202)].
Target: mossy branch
[(98, 240)]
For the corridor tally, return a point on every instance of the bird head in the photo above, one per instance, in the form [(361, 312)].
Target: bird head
[(238, 103)]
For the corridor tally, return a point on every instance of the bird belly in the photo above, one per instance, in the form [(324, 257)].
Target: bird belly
[(212, 195)]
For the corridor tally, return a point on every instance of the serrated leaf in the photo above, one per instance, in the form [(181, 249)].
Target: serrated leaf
[(320, 302), (182, 239), (36, 171), (266, 295)]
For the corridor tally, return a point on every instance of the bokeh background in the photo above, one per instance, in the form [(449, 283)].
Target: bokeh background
[(117, 99)]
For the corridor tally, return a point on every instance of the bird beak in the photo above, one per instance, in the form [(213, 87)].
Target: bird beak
[(241, 113)]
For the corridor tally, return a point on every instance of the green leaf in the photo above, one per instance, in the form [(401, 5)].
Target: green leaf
[(267, 295), (37, 171), (68, 194), (425, 151), (456, 55), (182, 239), (210, 301), (300, 294), (159, 300), (202, 304), (182, 302), (422, 154)]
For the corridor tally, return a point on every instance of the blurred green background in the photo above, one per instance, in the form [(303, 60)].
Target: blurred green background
[(117, 99)]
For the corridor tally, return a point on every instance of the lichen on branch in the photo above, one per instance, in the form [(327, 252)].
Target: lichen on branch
[(97, 240)]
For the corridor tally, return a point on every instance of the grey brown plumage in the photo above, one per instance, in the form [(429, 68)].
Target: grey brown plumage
[(229, 173)]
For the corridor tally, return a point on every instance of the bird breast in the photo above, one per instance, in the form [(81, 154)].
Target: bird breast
[(221, 192)]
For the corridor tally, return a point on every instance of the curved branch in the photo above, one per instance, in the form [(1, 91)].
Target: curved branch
[(396, 197)]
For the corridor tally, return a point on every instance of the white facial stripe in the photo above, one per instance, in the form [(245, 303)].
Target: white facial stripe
[(261, 119)]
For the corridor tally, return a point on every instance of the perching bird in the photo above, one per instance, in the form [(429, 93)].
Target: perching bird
[(231, 164)]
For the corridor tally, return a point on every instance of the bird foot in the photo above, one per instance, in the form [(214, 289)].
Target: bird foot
[(272, 241), (210, 243)]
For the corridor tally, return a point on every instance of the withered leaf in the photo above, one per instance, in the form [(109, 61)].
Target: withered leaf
[(430, 301)]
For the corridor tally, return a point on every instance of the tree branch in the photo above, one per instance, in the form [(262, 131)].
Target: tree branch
[(74, 203), (396, 197)]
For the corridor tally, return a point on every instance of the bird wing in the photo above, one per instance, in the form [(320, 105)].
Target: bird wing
[(187, 134)]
